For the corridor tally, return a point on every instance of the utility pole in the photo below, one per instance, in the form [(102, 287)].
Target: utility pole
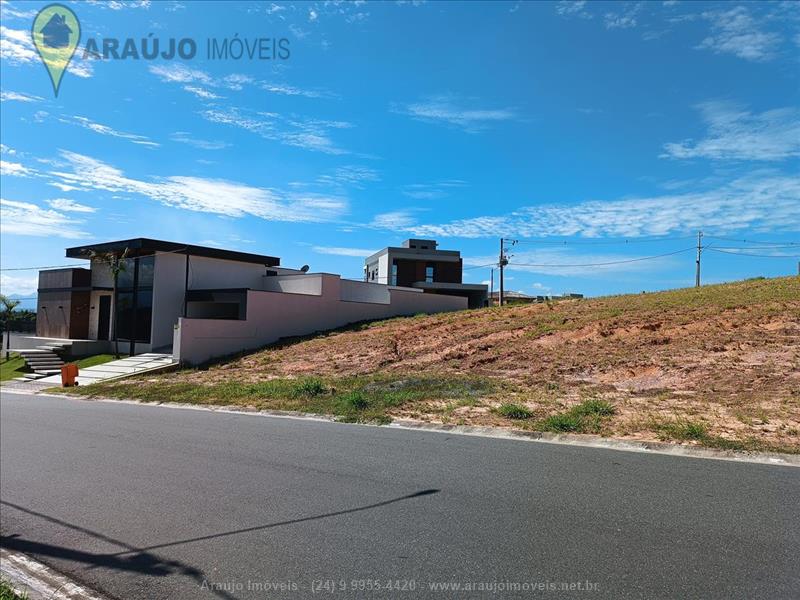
[(501, 264), (699, 250), (491, 288)]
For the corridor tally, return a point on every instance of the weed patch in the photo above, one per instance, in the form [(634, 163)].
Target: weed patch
[(514, 411), (586, 417)]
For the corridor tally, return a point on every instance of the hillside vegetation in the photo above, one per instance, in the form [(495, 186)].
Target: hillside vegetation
[(719, 366)]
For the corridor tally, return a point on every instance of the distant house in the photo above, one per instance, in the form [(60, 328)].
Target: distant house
[(421, 265), (56, 32), (199, 303), (510, 297)]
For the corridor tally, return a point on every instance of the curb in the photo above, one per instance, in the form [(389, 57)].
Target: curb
[(568, 439), (40, 582)]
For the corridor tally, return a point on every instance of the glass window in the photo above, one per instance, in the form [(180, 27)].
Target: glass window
[(144, 315), (125, 277), (429, 273), (124, 315), (146, 268), (394, 273)]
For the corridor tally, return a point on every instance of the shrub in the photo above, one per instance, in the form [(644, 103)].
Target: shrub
[(514, 411), (310, 387), (595, 407), (355, 400)]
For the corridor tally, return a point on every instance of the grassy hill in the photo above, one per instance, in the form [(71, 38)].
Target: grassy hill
[(718, 366)]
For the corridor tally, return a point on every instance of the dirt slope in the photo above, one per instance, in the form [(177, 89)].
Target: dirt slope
[(725, 356)]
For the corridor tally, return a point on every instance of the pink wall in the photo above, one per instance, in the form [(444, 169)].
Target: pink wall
[(274, 315)]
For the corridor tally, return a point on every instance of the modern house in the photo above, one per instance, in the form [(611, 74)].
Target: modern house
[(200, 303), (419, 264)]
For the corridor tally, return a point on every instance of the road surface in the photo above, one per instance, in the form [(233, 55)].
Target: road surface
[(152, 502)]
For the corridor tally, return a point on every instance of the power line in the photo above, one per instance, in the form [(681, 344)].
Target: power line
[(47, 267), (727, 239), (756, 255), (613, 262), (605, 243)]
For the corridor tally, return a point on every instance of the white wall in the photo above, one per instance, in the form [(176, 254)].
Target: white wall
[(168, 286), (384, 276), (215, 273), (274, 315), (293, 284)]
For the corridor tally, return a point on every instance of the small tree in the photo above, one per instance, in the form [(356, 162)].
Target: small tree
[(8, 305), (116, 264)]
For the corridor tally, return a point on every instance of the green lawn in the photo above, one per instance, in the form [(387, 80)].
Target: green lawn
[(15, 366), (11, 368), (92, 361)]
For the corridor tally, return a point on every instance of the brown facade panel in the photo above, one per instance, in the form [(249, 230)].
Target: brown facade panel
[(79, 316), (53, 312)]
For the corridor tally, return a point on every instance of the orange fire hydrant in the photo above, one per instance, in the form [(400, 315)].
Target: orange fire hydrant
[(68, 374)]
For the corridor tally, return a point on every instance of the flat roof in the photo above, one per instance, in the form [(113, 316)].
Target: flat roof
[(435, 254), (146, 246)]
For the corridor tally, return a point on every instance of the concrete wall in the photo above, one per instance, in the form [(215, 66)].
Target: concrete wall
[(275, 315), (293, 284), (214, 273), (168, 287), (101, 274), (357, 291)]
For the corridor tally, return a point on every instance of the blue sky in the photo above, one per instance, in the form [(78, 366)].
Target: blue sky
[(592, 132)]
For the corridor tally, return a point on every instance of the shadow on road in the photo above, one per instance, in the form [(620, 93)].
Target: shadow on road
[(141, 560)]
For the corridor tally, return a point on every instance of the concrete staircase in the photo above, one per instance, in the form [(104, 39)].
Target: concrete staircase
[(42, 361)]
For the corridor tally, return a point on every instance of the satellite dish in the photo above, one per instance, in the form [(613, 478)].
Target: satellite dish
[(305, 268)]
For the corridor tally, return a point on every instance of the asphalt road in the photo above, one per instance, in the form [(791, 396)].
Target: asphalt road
[(152, 502)]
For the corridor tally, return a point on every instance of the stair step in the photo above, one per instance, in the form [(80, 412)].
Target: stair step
[(41, 357), (48, 371), (31, 376)]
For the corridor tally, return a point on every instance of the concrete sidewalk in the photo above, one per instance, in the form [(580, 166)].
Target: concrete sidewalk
[(117, 368)]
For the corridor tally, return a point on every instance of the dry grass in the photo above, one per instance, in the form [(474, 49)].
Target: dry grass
[(724, 359)]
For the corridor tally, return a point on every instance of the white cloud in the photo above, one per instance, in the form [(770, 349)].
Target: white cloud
[(736, 134), (577, 8), (349, 175), (19, 285), (18, 97), (432, 191), (202, 92), (15, 169), (398, 219), (17, 49), (185, 138), (120, 4), (67, 205), (23, 218), (448, 111), (624, 19), (179, 73), (310, 134), (760, 201), (339, 251), (106, 130), (736, 31), (12, 12), (197, 82), (215, 196)]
